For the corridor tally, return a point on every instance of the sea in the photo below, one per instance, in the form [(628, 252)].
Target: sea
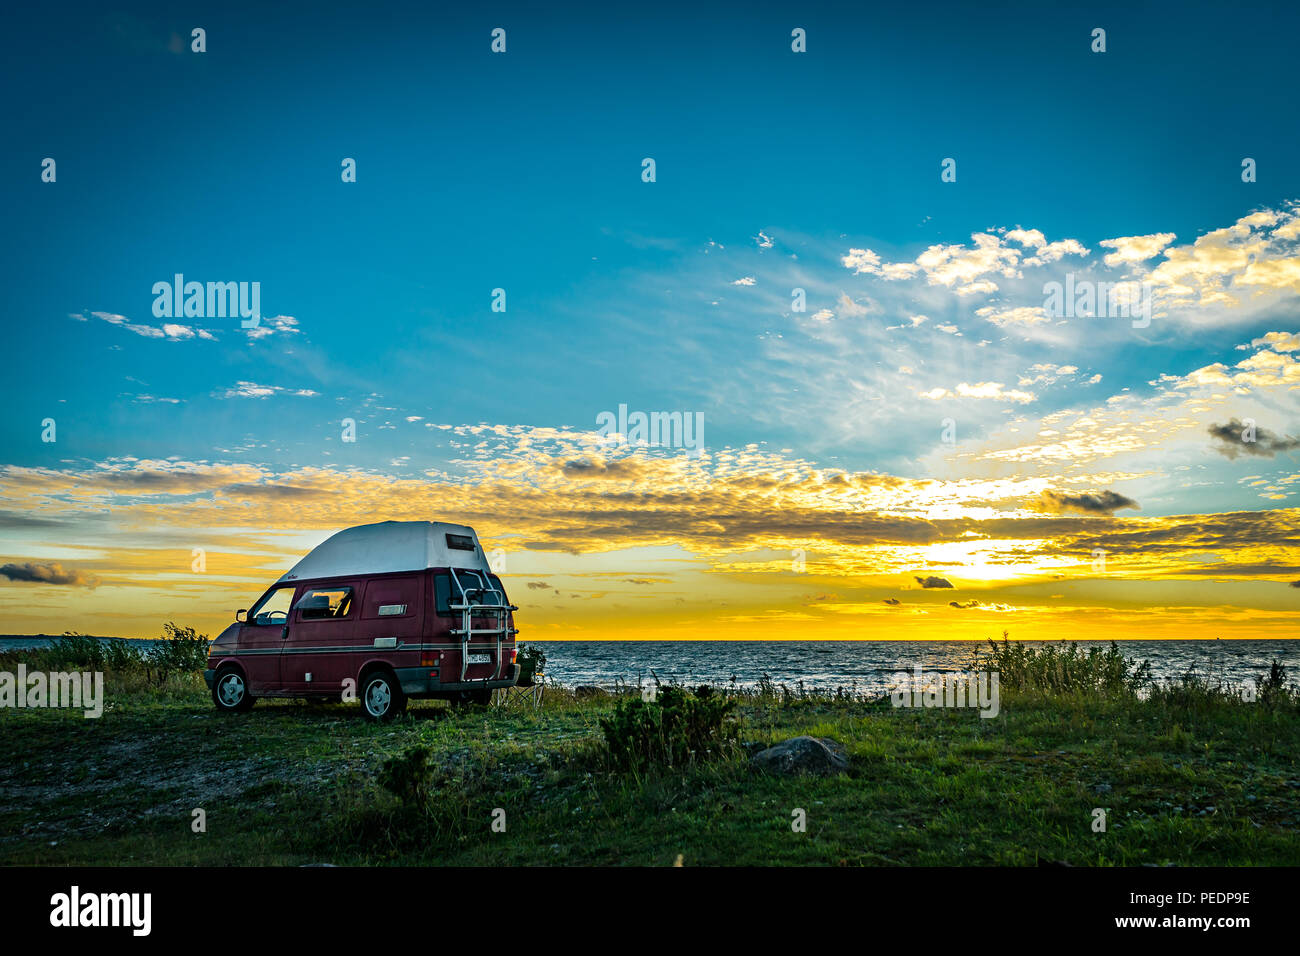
[(861, 667), (867, 667)]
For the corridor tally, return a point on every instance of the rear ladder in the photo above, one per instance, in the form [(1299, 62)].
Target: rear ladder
[(498, 610)]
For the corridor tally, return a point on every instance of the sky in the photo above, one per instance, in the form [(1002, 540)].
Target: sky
[(840, 270)]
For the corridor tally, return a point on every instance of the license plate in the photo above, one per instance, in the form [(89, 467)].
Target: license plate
[(480, 658)]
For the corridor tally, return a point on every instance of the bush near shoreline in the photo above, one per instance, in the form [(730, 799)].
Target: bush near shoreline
[(1185, 772)]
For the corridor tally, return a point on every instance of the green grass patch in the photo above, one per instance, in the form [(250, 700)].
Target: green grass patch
[(1186, 774)]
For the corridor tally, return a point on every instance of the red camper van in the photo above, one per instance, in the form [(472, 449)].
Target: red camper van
[(384, 612)]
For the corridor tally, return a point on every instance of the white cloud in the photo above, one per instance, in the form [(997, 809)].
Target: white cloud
[(850, 309), (1047, 373), (984, 286), (994, 390), (170, 331), (968, 269), (253, 390), (283, 324), (1225, 268), (122, 322), (1278, 341), (1019, 315), (1133, 249), (862, 261)]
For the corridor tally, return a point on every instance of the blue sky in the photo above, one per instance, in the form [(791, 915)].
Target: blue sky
[(522, 171)]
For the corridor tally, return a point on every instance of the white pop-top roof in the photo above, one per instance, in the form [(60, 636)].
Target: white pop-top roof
[(389, 546)]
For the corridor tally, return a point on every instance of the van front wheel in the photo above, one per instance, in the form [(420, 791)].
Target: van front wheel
[(230, 691), (382, 697)]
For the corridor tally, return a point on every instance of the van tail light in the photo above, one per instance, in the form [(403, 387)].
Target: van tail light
[(429, 659), (514, 655)]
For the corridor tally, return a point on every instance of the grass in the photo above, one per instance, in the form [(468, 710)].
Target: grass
[(1187, 774)]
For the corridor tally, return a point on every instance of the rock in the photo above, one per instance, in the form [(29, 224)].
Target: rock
[(815, 755), (589, 690)]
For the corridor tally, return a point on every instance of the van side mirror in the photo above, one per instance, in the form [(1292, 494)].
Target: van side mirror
[(239, 615)]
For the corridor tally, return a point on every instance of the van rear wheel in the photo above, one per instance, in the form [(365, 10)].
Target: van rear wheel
[(230, 691), (381, 696)]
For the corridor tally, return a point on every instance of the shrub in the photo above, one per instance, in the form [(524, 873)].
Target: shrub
[(1065, 670), (72, 650), (1272, 689), (532, 662), (407, 776), (1191, 692), (75, 651), (677, 728), (179, 649), (122, 655)]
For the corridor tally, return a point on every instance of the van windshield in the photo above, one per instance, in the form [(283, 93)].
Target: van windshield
[(274, 608)]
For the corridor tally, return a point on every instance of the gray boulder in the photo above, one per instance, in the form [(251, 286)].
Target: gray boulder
[(816, 755)]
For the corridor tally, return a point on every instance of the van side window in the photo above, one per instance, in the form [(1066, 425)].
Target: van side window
[(274, 608), (496, 583), (324, 604), (390, 597)]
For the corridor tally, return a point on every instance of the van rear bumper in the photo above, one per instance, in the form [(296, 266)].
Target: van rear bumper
[(416, 682)]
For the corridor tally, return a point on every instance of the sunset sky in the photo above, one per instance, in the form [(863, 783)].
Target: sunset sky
[(826, 502)]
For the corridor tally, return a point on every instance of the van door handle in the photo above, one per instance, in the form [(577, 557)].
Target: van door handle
[(285, 633)]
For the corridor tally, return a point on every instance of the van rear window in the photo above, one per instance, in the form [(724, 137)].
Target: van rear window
[(446, 593)]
